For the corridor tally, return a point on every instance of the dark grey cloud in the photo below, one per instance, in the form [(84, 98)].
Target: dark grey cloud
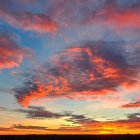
[(14, 127), (133, 117), (19, 126), (37, 112), (80, 119)]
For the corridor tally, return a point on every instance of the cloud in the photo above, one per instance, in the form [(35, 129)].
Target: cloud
[(33, 2), (135, 117), (58, 14), (131, 105), (129, 125), (19, 126), (4, 129), (80, 123), (119, 16), (37, 112), (11, 54), (21, 129), (24, 19), (80, 119), (82, 72), (130, 118), (105, 13)]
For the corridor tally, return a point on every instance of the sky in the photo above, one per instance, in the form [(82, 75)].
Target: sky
[(69, 67)]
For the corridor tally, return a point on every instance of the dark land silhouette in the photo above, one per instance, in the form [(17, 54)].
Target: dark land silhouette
[(70, 137)]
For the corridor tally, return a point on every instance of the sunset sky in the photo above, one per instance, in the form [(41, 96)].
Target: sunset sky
[(69, 66)]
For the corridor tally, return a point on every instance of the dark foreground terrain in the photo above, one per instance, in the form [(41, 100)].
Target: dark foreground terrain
[(70, 137)]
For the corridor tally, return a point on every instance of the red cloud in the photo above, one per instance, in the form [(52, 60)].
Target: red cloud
[(11, 54)]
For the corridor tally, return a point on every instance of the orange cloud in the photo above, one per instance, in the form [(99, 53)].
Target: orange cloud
[(81, 73), (131, 105), (11, 54)]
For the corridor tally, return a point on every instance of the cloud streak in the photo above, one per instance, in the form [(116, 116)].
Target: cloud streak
[(19, 126)]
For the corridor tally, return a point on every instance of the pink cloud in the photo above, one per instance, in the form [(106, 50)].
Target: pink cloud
[(29, 21)]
